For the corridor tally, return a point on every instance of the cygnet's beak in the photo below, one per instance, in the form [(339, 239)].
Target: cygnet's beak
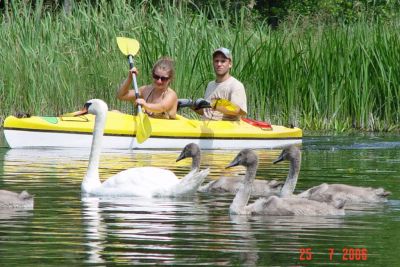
[(279, 159), (235, 162), (181, 156)]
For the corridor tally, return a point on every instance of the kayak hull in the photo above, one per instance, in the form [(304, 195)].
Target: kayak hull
[(120, 133)]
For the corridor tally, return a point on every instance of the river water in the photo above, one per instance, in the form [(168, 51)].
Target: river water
[(66, 229)]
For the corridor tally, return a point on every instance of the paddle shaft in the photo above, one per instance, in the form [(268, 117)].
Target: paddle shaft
[(130, 61)]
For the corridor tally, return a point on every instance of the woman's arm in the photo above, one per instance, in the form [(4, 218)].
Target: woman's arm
[(124, 93), (169, 101)]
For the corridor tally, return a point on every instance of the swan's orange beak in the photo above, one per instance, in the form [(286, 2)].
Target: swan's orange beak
[(83, 111)]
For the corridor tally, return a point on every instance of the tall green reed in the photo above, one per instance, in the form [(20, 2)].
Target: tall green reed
[(318, 77)]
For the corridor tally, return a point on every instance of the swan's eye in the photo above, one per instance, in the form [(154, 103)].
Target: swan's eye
[(87, 105)]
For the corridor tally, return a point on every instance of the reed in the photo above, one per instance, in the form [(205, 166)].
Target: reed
[(317, 77)]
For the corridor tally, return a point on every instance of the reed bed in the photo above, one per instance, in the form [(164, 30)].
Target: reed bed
[(319, 77)]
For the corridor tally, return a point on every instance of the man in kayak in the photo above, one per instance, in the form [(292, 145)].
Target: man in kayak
[(226, 87), (157, 99)]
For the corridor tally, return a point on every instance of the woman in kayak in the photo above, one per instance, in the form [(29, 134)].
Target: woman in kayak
[(157, 99)]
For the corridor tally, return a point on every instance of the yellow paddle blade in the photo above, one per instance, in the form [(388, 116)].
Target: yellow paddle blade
[(228, 105), (128, 46), (143, 126)]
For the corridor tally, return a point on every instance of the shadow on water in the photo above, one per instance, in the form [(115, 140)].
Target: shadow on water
[(3, 142)]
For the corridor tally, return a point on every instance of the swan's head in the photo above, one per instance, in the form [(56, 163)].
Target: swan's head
[(246, 158), (189, 151), (289, 153), (93, 106)]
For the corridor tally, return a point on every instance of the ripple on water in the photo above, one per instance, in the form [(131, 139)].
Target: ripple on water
[(67, 229)]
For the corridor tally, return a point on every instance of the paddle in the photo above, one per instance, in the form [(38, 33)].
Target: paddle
[(130, 47), (228, 105), (224, 105), (201, 103)]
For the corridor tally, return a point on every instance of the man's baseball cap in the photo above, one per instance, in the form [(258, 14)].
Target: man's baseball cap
[(225, 51)]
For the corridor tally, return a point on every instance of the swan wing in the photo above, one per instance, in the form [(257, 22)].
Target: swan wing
[(354, 194), (189, 184), (142, 181), (301, 206), (351, 194), (266, 188), (273, 205), (222, 185), (277, 206)]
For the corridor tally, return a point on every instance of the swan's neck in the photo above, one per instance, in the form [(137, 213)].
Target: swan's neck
[(242, 196), (291, 180), (92, 179), (196, 162)]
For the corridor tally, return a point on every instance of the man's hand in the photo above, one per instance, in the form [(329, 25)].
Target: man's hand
[(201, 103)]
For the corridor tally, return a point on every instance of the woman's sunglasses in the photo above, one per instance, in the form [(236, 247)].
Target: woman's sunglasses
[(163, 79)]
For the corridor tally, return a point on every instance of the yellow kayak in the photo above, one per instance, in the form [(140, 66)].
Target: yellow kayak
[(120, 132)]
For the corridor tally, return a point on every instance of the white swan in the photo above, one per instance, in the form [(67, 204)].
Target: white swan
[(273, 205), (328, 192), (12, 200), (141, 181)]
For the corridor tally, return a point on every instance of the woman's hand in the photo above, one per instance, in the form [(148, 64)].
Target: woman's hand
[(132, 71), (140, 101)]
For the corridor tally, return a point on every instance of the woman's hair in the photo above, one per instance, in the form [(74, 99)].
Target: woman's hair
[(167, 64)]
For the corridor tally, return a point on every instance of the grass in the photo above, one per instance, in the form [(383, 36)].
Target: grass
[(318, 77)]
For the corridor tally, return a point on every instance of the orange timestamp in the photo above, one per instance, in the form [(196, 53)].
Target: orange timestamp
[(346, 254)]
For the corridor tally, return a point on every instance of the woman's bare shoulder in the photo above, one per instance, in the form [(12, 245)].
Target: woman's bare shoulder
[(172, 92)]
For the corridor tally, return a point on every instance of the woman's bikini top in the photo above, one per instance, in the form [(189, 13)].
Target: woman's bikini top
[(162, 115)]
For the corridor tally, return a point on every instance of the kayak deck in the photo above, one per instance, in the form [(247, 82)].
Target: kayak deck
[(120, 132)]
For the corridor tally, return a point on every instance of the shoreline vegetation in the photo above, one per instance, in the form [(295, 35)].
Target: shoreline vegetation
[(337, 77)]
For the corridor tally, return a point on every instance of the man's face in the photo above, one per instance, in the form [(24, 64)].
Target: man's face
[(221, 64)]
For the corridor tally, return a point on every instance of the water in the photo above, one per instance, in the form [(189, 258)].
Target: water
[(65, 229)]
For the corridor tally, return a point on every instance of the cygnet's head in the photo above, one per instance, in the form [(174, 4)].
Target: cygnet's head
[(289, 153), (246, 157), (93, 106), (189, 151), (24, 195)]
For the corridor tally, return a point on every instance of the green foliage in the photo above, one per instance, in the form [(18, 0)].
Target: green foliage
[(343, 11), (317, 76)]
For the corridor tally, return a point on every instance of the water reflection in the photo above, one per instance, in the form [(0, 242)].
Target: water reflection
[(12, 215), (242, 227), (20, 161), (65, 228), (284, 234), (95, 230), (300, 223), (139, 224), (352, 142)]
